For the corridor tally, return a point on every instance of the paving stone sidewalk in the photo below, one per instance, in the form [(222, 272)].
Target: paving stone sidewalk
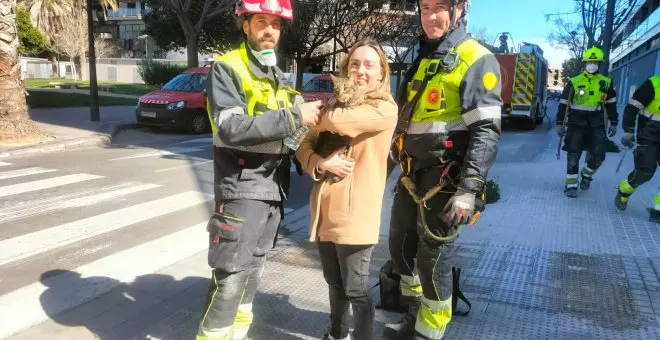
[(537, 266)]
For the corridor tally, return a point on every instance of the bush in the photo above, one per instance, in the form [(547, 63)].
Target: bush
[(492, 192), (610, 146), (157, 73)]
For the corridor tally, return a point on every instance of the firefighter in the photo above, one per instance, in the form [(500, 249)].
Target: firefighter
[(592, 102), (446, 140), (252, 110), (646, 102)]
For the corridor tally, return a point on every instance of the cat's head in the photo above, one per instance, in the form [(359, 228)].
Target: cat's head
[(345, 88)]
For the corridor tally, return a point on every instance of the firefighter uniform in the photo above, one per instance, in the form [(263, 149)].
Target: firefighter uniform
[(454, 93), (251, 110), (592, 101), (646, 102)]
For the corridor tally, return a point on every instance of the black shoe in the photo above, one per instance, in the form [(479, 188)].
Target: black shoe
[(404, 329), (619, 203), (585, 183), (570, 192), (654, 215)]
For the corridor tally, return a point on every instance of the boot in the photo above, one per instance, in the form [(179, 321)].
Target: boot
[(405, 329), (654, 215), (585, 183), (570, 192), (619, 203)]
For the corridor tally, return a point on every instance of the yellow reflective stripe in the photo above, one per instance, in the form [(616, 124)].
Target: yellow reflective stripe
[(243, 320), (656, 201), (625, 187), (410, 285), (433, 318)]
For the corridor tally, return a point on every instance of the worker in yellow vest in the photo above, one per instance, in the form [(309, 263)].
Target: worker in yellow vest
[(592, 102), (445, 143), (252, 111), (645, 106)]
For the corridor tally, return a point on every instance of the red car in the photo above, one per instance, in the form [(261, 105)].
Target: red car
[(181, 103), (318, 88)]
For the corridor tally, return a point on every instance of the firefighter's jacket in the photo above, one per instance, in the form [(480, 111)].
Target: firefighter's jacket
[(645, 102), (250, 107), (458, 114), (589, 95)]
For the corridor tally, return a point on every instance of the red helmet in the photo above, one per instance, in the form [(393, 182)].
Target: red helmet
[(281, 8)]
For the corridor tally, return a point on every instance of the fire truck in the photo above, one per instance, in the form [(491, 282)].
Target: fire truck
[(524, 73)]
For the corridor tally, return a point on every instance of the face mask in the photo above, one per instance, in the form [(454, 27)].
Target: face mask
[(592, 68), (266, 57)]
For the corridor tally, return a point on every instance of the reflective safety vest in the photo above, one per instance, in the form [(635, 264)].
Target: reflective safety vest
[(439, 107), (653, 107), (589, 91), (260, 94)]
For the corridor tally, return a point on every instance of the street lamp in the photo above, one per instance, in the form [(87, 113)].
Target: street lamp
[(93, 90)]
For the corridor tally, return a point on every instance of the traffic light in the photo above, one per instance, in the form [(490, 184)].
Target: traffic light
[(556, 77)]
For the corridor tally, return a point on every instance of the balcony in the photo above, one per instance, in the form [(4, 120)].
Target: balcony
[(643, 32), (126, 13)]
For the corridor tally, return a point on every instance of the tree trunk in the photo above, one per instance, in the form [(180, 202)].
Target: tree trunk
[(398, 81), (55, 67), (300, 71), (15, 123), (192, 45)]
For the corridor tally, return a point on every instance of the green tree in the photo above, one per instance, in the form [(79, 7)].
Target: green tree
[(32, 41), (571, 68), (196, 25)]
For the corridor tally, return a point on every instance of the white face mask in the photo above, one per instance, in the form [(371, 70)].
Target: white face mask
[(266, 57), (592, 67)]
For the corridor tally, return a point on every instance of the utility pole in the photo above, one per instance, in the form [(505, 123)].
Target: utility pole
[(93, 90), (607, 35)]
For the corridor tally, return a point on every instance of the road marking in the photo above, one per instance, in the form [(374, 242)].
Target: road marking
[(44, 184), (287, 210), (166, 152), (76, 200), (204, 140), (24, 172), (24, 307), (27, 245), (184, 166), (4, 164)]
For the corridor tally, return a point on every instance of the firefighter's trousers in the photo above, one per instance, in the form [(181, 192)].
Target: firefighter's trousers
[(409, 241), (647, 158), (579, 138), (240, 234)]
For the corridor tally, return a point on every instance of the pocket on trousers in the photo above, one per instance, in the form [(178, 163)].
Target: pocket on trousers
[(224, 241)]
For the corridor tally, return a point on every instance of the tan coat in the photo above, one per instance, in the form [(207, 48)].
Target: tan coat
[(348, 212)]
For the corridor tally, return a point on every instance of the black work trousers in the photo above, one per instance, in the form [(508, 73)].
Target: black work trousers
[(240, 234), (579, 138), (411, 239), (346, 270), (647, 158)]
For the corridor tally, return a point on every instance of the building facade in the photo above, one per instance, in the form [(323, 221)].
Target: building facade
[(635, 52)]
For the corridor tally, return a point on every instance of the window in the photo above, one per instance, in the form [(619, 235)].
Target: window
[(318, 85), (130, 31), (187, 82)]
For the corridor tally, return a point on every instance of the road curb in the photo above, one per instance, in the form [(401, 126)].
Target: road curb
[(103, 137)]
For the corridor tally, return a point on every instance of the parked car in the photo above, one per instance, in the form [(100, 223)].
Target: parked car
[(181, 103), (318, 88)]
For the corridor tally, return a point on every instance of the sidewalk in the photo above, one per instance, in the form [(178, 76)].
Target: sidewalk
[(72, 127), (101, 93), (537, 266)]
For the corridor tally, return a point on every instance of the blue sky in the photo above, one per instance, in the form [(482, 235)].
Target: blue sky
[(524, 19)]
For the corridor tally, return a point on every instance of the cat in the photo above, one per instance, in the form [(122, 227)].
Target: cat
[(346, 94)]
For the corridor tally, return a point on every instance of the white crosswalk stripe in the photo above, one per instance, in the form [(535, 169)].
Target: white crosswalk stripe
[(44, 184), (4, 164), (50, 214), (24, 172)]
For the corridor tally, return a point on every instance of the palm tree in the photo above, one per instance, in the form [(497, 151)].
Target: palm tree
[(15, 123)]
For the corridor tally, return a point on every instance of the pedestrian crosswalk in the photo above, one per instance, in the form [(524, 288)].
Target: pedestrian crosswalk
[(44, 211)]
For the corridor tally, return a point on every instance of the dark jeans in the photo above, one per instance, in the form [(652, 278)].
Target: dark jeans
[(346, 270)]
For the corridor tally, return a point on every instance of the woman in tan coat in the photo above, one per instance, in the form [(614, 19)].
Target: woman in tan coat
[(345, 214)]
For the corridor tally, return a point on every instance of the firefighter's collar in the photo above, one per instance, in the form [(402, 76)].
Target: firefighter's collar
[(259, 70)]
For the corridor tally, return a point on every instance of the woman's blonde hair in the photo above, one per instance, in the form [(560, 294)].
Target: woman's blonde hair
[(384, 64)]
